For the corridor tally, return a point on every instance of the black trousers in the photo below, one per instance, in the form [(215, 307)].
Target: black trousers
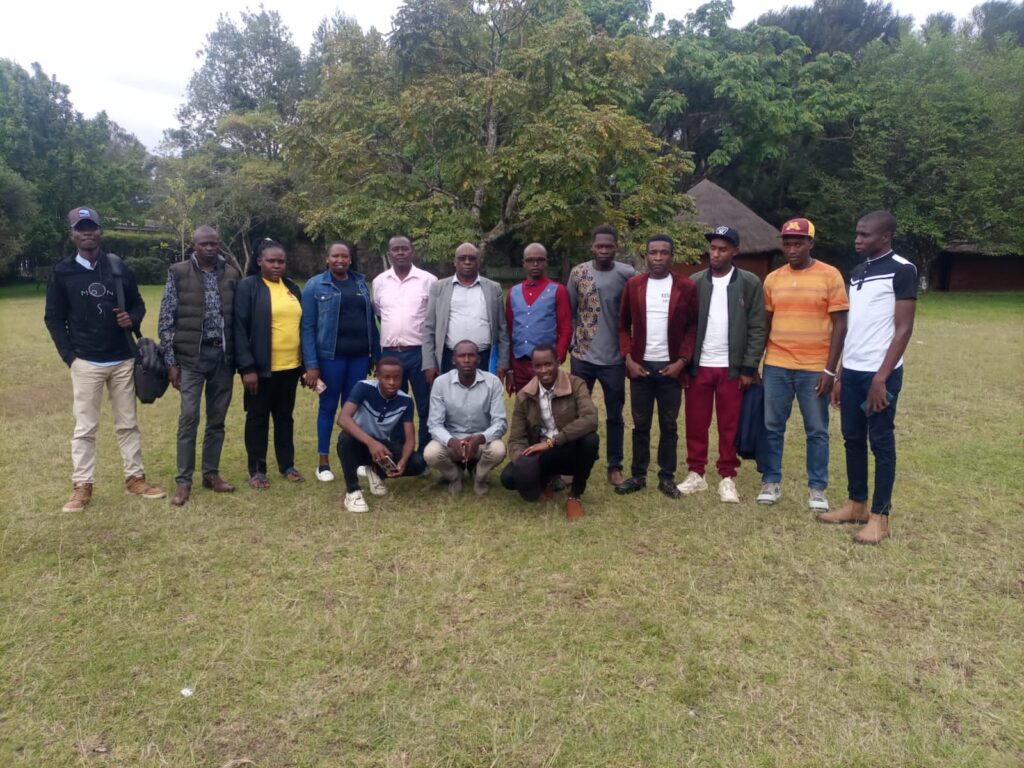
[(353, 454), (274, 399), (529, 474), (668, 395), (613, 385)]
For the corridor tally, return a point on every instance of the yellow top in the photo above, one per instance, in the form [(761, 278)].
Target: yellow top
[(285, 314), (802, 302)]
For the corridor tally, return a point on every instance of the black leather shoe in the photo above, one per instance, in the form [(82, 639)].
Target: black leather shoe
[(668, 487), (632, 485)]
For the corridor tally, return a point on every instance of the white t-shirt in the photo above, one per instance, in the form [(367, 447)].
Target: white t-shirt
[(715, 351), (658, 293)]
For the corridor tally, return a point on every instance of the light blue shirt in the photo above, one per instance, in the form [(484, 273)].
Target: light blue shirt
[(458, 411)]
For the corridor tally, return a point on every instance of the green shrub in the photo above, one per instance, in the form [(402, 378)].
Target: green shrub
[(149, 270)]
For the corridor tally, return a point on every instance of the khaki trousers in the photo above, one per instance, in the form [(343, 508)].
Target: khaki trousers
[(488, 456), (87, 383)]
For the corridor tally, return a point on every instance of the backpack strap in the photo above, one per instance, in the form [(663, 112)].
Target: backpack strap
[(117, 270)]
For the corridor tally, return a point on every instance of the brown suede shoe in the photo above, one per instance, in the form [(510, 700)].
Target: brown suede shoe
[(137, 486), (546, 494), (573, 509), (181, 493), (873, 533), (850, 512), (80, 498), (615, 477), (217, 484)]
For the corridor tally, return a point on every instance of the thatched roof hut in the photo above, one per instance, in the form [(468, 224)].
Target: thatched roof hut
[(759, 240)]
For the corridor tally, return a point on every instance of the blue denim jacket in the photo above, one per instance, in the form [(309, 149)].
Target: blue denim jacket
[(321, 305)]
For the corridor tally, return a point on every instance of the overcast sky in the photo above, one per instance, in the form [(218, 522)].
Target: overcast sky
[(134, 58)]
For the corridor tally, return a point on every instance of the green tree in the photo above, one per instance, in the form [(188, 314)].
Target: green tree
[(938, 143), (837, 25), (742, 100), (18, 207), (488, 122), (252, 67), (57, 159), (231, 172)]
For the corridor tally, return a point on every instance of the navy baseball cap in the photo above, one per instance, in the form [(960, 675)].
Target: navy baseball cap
[(725, 233), (82, 213)]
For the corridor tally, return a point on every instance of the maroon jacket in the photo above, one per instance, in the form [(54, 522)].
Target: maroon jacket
[(682, 319)]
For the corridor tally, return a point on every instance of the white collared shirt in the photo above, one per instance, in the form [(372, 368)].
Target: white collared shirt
[(547, 418), (469, 319)]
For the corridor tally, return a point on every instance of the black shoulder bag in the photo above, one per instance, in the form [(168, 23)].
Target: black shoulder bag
[(151, 379)]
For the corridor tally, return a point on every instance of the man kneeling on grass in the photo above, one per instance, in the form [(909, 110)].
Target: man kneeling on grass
[(376, 423), (554, 432)]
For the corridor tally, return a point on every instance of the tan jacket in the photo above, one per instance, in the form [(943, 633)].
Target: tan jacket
[(572, 408)]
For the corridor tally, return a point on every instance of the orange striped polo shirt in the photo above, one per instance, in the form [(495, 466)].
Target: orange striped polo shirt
[(801, 302)]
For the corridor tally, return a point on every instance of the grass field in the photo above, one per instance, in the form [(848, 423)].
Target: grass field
[(480, 633)]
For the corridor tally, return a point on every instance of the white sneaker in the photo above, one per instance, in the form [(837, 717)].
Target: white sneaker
[(354, 502), (817, 501), (324, 474), (360, 471), (692, 484), (376, 482), (770, 493), (727, 492)]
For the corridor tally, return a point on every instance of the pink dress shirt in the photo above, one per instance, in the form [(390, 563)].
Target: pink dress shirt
[(401, 306)]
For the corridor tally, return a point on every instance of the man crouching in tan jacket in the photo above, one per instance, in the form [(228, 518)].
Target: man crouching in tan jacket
[(554, 432)]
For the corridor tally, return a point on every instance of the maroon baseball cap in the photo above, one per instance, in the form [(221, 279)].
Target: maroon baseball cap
[(797, 228), (82, 213)]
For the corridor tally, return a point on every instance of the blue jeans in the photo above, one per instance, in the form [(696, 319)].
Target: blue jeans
[(613, 385), (412, 376), (339, 375), (880, 428), (780, 386)]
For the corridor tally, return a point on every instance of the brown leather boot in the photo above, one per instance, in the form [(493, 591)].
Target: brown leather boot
[(137, 486), (876, 530), (851, 512), (181, 493), (573, 509), (217, 484), (80, 498)]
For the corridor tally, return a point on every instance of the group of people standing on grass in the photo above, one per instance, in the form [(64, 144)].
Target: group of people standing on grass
[(676, 339)]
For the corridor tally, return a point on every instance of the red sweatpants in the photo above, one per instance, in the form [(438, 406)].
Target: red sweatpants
[(712, 387)]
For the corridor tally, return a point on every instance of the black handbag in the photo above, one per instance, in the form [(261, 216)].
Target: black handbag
[(151, 380)]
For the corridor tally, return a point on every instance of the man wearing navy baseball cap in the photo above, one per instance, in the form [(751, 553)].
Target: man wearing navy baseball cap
[(90, 330), (730, 340)]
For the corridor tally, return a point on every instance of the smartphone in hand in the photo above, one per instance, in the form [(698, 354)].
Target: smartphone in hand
[(888, 401), (387, 464)]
